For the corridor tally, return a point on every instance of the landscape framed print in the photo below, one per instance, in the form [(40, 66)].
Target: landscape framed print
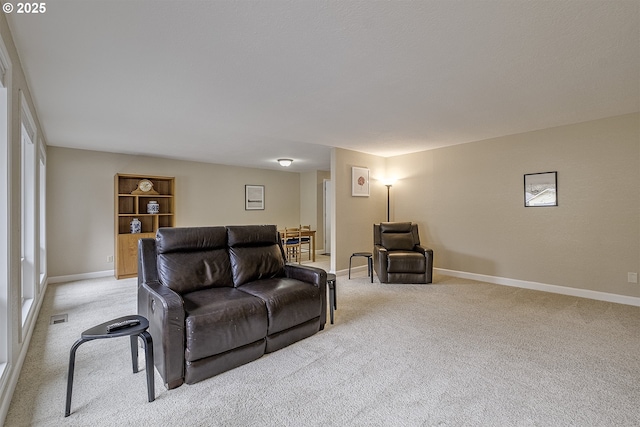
[(541, 189), (253, 197)]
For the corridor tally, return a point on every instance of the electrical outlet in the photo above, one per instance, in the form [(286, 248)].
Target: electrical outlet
[(632, 277), (110, 258)]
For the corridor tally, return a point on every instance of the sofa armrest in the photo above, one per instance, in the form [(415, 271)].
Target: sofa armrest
[(314, 276), (147, 268), (165, 312)]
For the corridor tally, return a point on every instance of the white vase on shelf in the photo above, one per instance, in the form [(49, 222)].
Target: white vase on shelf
[(136, 226)]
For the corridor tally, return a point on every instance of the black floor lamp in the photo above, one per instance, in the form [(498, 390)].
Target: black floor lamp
[(388, 204)]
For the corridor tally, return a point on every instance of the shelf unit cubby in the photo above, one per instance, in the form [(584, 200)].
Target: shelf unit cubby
[(129, 206)]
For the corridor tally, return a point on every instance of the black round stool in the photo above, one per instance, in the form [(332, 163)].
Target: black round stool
[(368, 255), (113, 329)]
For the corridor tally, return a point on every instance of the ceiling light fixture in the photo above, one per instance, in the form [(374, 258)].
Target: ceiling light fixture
[(285, 162)]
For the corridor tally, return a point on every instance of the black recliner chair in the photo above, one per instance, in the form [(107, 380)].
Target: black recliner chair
[(398, 256)]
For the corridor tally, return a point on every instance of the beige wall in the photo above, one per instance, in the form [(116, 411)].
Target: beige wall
[(81, 196), (468, 202), (355, 216)]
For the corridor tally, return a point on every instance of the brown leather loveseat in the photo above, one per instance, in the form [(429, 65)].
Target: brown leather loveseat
[(220, 297)]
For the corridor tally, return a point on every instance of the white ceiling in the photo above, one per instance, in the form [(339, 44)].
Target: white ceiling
[(247, 82)]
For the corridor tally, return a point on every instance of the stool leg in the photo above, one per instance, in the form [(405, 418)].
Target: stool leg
[(335, 295), (147, 342), (350, 258), (134, 353), (370, 267), (72, 364), (332, 301)]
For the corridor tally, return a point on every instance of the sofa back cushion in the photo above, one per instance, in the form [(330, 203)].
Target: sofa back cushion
[(397, 236), (255, 253), (193, 258)]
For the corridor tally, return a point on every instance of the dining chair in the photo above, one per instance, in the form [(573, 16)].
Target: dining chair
[(305, 240), (292, 244)]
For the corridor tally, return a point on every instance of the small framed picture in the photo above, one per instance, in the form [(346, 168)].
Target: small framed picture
[(253, 197), (541, 189), (359, 182)]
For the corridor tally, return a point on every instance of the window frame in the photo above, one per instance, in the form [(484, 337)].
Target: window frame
[(5, 202), (28, 217)]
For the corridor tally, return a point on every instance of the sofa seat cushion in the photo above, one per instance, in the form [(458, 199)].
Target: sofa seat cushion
[(406, 262), (221, 319), (290, 302)]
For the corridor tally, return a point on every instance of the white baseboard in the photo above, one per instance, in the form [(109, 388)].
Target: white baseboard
[(345, 272), (564, 290), (82, 276)]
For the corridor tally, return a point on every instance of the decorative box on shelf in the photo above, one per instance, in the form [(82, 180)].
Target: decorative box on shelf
[(153, 207)]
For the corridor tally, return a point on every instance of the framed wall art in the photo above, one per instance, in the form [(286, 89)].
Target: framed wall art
[(359, 182), (541, 189), (253, 197)]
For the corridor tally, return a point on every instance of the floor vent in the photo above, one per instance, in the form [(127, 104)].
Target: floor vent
[(58, 318)]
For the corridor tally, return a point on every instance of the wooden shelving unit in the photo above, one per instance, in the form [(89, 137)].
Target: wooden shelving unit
[(129, 206)]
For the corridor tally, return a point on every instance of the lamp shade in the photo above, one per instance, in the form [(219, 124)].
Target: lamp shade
[(285, 162)]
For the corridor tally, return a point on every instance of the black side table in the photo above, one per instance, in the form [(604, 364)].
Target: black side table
[(331, 282), (368, 255), (100, 332)]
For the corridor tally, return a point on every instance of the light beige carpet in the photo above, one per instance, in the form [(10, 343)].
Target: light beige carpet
[(453, 353)]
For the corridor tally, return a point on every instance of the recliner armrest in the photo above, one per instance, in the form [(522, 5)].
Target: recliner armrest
[(428, 254), (380, 255), (422, 249), (380, 248)]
